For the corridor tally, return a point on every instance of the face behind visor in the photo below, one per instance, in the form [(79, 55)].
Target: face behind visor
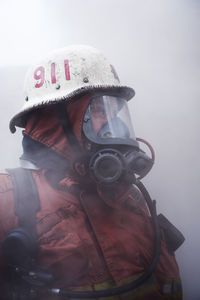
[(107, 121)]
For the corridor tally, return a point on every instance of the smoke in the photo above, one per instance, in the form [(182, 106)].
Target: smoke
[(155, 48)]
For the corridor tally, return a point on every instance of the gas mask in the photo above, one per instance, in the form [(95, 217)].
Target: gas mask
[(114, 153)]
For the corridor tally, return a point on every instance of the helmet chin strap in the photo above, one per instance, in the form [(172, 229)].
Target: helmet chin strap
[(66, 126)]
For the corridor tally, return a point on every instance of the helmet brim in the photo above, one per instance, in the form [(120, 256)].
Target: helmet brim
[(19, 120)]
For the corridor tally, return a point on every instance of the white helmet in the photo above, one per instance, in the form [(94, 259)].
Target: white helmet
[(64, 74)]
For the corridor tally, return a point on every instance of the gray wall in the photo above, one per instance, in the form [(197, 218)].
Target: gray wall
[(154, 46)]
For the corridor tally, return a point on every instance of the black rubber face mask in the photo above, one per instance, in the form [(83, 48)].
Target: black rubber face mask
[(110, 139)]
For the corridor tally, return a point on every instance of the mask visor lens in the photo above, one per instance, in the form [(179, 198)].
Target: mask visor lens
[(108, 117)]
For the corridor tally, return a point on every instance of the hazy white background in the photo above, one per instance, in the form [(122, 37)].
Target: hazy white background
[(155, 48)]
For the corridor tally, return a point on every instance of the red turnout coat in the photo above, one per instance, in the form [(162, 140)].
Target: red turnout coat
[(90, 243)]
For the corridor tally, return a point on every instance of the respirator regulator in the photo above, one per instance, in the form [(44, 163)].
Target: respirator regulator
[(109, 138)]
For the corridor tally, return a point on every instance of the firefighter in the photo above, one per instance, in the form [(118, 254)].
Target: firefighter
[(92, 226)]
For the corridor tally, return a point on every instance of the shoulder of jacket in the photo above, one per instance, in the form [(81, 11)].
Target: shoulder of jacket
[(5, 181), (3, 172)]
